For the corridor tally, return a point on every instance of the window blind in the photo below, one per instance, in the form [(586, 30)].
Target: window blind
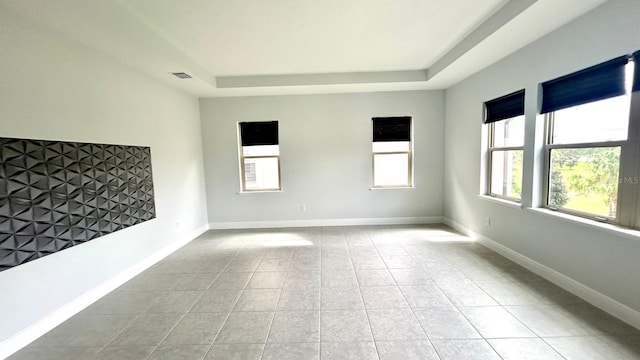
[(259, 133), (504, 107), (392, 128), (636, 75), (598, 82)]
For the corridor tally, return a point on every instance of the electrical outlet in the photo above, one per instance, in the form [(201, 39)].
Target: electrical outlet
[(303, 208), (423, 204), (487, 221)]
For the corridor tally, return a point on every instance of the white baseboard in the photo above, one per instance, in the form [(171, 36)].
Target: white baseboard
[(60, 315), (325, 222), (613, 307)]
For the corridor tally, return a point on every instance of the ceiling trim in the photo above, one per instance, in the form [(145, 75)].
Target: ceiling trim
[(321, 79), (503, 16)]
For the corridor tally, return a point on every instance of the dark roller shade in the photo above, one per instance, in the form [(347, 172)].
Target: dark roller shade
[(636, 75), (595, 83), (392, 128), (259, 133), (504, 107)]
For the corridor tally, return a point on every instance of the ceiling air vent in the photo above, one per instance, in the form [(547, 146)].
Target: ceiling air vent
[(182, 75)]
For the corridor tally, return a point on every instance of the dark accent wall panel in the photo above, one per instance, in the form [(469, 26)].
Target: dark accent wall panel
[(55, 195)]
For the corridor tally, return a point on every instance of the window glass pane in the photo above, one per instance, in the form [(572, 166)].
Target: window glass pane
[(250, 171), (261, 150), (585, 179), (605, 120), (261, 173), (506, 173), (509, 132), (391, 146), (391, 170)]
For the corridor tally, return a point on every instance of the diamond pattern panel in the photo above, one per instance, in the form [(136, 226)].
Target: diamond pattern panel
[(54, 195)]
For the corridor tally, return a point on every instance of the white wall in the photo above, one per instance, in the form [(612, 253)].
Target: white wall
[(325, 145), (601, 260), (53, 88)]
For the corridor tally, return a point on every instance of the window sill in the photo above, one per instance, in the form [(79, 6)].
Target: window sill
[(259, 192), (501, 201), (572, 219), (391, 188)]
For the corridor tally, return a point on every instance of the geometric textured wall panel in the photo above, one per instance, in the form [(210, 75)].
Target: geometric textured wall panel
[(55, 195)]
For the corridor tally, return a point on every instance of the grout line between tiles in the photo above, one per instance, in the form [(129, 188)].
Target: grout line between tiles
[(229, 313), (365, 305)]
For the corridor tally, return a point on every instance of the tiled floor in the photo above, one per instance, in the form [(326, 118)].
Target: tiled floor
[(379, 292)]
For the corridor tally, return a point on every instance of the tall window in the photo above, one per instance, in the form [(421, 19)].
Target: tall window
[(259, 156), (392, 152), (505, 116), (589, 149)]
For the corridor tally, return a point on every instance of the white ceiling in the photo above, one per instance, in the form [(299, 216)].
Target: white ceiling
[(260, 47), (258, 37)]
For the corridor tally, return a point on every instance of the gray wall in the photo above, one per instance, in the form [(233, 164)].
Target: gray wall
[(325, 144), (603, 260), (53, 88)]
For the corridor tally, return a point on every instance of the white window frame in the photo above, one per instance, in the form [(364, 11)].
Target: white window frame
[(628, 203), (409, 154), (491, 150), (243, 175)]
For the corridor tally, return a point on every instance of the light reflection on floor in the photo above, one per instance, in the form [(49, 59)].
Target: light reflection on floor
[(305, 237)]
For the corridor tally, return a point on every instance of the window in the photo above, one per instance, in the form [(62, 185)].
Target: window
[(259, 156), (590, 158), (392, 152), (505, 116)]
